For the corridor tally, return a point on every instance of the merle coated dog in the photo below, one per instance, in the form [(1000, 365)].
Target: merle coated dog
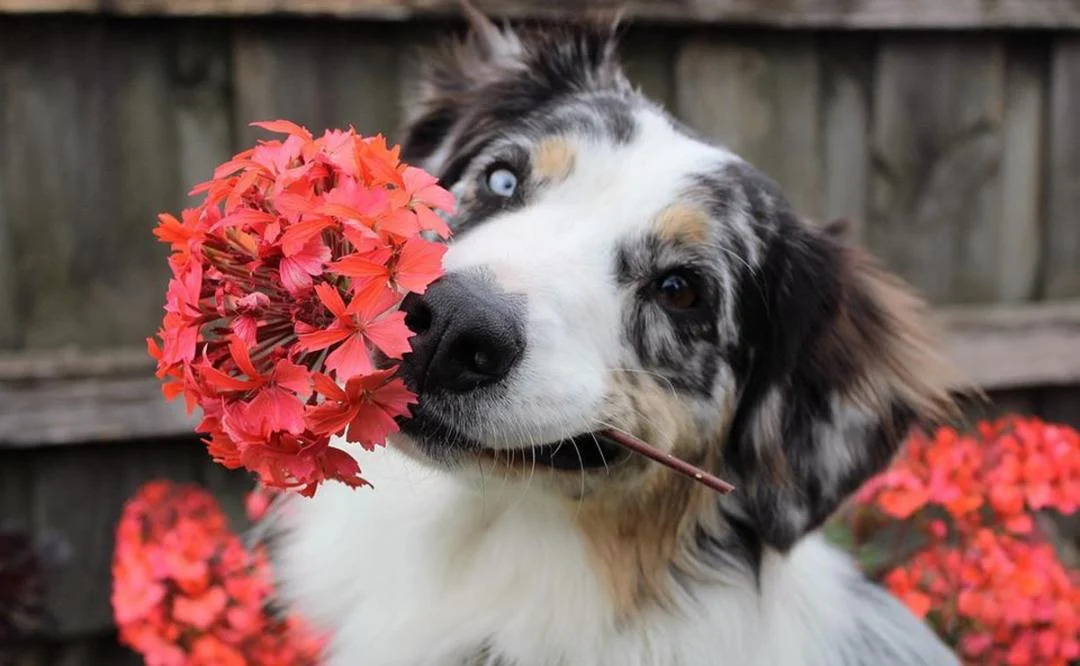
[(611, 270)]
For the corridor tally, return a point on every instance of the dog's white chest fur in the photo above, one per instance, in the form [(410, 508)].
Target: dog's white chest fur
[(422, 570)]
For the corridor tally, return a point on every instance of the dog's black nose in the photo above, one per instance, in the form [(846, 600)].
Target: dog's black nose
[(468, 335)]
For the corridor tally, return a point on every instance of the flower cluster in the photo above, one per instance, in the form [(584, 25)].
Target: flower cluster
[(983, 573), (187, 593), (283, 319)]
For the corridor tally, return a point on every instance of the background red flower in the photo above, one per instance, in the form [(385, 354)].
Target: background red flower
[(963, 510), (186, 592)]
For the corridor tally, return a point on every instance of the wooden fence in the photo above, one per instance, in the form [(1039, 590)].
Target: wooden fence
[(947, 130)]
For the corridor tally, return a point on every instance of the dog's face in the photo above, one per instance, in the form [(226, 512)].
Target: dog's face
[(609, 270)]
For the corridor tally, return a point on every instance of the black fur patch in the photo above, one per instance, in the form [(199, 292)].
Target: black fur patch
[(559, 73), (682, 347), (788, 372)]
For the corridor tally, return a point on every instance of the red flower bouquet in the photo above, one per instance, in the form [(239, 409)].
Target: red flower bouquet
[(982, 571), (187, 593), (286, 286)]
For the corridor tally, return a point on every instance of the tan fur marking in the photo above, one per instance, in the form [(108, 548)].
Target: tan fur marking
[(680, 222), (639, 536), (553, 159), (640, 532)]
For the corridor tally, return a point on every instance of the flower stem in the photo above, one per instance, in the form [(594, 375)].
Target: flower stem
[(671, 462)]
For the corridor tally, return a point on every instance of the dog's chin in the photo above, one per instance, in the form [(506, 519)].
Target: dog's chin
[(591, 451)]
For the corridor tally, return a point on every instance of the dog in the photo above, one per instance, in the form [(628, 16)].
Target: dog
[(610, 270)]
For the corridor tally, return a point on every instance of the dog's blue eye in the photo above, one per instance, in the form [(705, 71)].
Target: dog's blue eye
[(502, 181)]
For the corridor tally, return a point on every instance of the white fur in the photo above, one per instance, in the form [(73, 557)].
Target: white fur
[(431, 566), (558, 252), (424, 569)]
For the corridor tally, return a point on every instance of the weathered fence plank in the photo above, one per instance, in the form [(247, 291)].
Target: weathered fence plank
[(1061, 270), (78, 493), (202, 94), (996, 345), (87, 163), (1062, 267), (759, 95), (936, 197), (847, 63), (1020, 234), (324, 76), (791, 13)]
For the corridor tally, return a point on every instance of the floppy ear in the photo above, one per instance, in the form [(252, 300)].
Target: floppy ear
[(476, 87), (838, 365), (448, 75)]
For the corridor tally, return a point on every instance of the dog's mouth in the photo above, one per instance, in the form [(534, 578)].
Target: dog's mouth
[(587, 451), (593, 450)]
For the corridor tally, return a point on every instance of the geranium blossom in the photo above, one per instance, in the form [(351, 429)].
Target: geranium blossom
[(295, 266), (986, 578), (187, 593)]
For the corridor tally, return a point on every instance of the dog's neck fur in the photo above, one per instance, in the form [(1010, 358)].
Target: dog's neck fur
[(801, 390), (427, 571)]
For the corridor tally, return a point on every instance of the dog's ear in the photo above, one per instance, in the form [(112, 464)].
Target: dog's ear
[(838, 364), (448, 75), (472, 88)]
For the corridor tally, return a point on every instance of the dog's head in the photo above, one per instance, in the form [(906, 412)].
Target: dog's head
[(610, 270)]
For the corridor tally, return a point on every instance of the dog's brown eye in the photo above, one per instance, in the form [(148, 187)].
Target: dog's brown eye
[(676, 292)]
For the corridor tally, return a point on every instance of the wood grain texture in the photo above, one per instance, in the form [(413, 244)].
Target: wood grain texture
[(202, 90), (758, 95), (96, 409), (1015, 346), (321, 76), (1023, 140), (1062, 269), (936, 197), (847, 62), (78, 493), (86, 166), (777, 13)]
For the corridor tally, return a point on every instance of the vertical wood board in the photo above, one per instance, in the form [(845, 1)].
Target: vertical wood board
[(319, 75), (1022, 173), (847, 63), (98, 138), (935, 209), (1062, 267), (758, 94), (78, 493)]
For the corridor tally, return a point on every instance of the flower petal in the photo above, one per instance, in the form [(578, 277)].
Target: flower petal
[(350, 359)]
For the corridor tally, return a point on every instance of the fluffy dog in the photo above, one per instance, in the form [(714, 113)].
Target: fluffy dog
[(610, 270)]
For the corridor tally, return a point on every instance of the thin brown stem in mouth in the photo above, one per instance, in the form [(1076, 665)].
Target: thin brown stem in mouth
[(681, 466)]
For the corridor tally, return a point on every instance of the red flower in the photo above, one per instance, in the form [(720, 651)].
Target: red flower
[(302, 264), (367, 407), (987, 578), (368, 321), (276, 403), (186, 592), (296, 264)]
